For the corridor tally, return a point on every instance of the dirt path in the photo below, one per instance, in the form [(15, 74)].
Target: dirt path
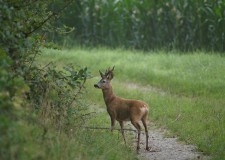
[(166, 148)]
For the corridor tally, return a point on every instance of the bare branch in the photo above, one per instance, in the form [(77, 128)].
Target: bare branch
[(77, 93), (54, 14)]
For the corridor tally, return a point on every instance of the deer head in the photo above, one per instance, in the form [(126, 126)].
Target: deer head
[(104, 83)]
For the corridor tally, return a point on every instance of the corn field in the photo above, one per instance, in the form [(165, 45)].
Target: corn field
[(148, 24)]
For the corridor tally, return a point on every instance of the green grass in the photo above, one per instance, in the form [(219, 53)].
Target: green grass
[(189, 74), (80, 144), (188, 94)]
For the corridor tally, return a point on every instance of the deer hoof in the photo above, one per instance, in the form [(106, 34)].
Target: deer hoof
[(138, 147), (138, 151), (148, 148)]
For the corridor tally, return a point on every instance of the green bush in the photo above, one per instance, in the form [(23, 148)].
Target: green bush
[(33, 99), (12, 89)]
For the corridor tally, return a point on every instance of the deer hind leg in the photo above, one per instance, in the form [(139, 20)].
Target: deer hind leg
[(122, 131), (144, 121), (138, 127)]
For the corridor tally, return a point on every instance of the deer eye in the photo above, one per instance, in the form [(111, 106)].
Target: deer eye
[(103, 81)]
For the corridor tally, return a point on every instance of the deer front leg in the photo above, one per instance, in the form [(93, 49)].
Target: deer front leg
[(122, 131), (113, 120)]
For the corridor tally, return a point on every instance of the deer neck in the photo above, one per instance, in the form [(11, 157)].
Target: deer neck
[(108, 95)]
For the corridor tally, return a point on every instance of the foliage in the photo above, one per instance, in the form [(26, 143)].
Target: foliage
[(56, 95), (12, 89), (183, 25), (33, 99)]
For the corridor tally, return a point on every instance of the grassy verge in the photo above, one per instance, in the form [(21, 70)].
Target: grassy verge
[(29, 143), (189, 94)]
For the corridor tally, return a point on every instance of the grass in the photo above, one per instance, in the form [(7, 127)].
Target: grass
[(189, 74), (188, 90), (27, 142), (79, 144)]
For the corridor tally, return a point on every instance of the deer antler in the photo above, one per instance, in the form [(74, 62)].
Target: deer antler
[(113, 68), (101, 74), (109, 71)]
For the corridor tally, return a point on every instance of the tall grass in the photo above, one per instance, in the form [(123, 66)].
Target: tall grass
[(194, 74), (183, 25), (28, 143), (188, 90)]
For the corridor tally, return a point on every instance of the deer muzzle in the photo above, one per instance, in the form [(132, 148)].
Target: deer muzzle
[(96, 86)]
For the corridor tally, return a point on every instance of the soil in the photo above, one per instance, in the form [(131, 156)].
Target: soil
[(166, 148)]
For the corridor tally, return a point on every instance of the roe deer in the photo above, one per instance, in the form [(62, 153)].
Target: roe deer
[(121, 109)]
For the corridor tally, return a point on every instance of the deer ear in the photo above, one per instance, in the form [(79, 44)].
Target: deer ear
[(110, 76), (101, 73)]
